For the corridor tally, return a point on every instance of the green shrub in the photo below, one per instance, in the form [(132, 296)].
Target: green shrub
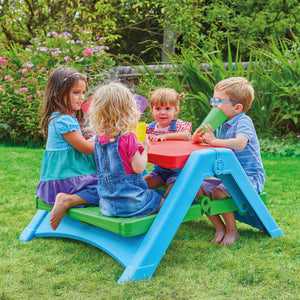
[(24, 74)]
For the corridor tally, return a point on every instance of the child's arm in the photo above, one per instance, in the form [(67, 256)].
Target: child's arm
[(139, 161), (181, 135), (76, 139), (238, 143)]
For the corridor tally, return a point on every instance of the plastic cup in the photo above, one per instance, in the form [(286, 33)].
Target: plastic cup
[(215, 118), (140, 131)]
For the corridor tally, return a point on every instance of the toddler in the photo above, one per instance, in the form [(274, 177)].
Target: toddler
[(164, 106), (120, 157)]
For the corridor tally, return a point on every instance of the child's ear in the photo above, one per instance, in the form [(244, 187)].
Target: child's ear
[(239, 107)]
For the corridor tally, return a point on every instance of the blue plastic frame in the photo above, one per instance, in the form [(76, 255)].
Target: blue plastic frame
[(140, 255)]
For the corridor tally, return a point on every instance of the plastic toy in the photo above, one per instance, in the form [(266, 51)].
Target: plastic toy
[(140, 243)]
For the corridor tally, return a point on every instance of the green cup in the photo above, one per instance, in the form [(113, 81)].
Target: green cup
[(215, 118)]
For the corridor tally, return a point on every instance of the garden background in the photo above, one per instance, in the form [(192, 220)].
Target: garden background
[(188, 46)]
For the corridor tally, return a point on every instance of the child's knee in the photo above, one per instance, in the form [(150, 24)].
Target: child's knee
[(218, 194)]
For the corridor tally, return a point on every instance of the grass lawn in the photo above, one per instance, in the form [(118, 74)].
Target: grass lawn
[(255, 267)]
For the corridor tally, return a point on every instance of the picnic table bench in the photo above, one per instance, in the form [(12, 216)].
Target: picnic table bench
[(140, 243)]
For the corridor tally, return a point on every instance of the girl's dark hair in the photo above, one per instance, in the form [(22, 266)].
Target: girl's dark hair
[(57, 95)]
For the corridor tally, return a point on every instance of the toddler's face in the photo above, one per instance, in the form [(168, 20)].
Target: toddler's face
[(164, 114), (77, 93)]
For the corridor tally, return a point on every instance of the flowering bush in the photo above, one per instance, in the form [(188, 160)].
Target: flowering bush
[(24, 74)]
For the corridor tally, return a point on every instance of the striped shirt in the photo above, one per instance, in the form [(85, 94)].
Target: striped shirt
[(249, 157), (152, 130)]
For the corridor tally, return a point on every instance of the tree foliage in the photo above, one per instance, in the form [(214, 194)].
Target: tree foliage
[(136, 27)]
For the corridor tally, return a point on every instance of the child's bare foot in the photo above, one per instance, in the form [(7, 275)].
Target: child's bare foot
[(59, 209), (220, 233), (230, 238)]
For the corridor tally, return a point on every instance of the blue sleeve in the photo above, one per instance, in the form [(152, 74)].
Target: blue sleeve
[(246, 127), (66, 123)]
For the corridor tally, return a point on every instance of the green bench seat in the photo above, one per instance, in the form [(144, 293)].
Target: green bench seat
[(129, 227)]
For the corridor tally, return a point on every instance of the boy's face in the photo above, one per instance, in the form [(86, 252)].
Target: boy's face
[(164, 114), (229, 109)]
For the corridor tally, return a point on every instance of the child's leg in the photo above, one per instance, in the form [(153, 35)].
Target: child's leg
[(152, 182), (62, 203), (230, 235)]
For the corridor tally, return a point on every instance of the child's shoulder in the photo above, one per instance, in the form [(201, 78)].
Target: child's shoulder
[(64, 122)]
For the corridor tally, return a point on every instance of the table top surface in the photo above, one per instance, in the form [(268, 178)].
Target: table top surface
[(172, 154)]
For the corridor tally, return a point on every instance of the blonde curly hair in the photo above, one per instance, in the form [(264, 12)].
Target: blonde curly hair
[(113, 111)]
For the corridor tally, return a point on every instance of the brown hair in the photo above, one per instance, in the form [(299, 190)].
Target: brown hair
[(238, 89), (165, 96), (57, 95)]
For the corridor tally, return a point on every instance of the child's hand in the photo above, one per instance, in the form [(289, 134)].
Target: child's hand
[(198, 136), (156, 138), (208, 136), (146, 144)]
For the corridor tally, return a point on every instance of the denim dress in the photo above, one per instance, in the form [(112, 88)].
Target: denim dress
[(121, 194)]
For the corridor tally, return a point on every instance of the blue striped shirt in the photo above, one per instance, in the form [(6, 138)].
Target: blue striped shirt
[(249, 157)]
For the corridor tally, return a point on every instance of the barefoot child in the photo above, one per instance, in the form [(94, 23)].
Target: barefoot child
[(68, 173), (234, 97), (120, 157), (164, 105)]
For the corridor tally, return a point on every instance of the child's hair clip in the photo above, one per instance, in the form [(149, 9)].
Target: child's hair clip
[(180, 96)]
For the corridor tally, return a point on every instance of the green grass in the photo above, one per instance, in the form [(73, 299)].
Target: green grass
[(255, 267)]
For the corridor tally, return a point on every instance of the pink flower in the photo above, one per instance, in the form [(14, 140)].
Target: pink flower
[(30, 96), (87, 51), (1, 89), (3, 67), (24, 90), (67, 58), (24, 71), (99, 38), (38, 93), (2, 59)]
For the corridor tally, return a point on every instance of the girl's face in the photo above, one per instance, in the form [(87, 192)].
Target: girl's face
[(77, 93), (164, 114)]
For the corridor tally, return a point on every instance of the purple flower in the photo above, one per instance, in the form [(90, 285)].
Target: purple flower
[(65, 34), (28, 64), (44, 49), (52, 33)]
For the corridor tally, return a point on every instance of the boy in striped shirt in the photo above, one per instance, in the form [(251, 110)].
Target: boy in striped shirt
[(234, 97)]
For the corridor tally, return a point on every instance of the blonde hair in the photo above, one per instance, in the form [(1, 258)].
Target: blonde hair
[(165, 96), (238, 89), (113, 111)]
